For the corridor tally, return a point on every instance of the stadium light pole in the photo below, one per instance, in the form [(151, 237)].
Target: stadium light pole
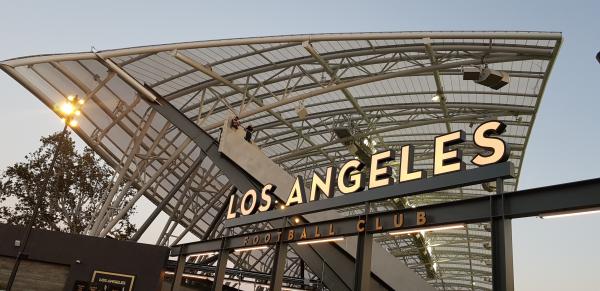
[(69, 110)]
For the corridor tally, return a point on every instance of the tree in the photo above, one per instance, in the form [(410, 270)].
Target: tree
[(72, 190)]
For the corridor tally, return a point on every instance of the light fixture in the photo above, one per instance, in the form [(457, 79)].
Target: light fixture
[(282, 206), (250, 249), (428, 229), (206, 254), (493, 79), (297, 220), (301, 111), (201, 277), (471, 73), (324, 240), (67, 108), (486, 76), (435, 98), (70, 109), (188, 275), (569, 213)]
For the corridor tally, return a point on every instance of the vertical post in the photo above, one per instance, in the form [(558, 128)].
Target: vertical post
[(178, 276), (502, 260), (36, 209), (220, 270), (278, 266), (363, 256)]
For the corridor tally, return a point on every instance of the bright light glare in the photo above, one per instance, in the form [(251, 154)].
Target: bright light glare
[(568, 214), (67, 108), (70, 97), (435, 98), (73, 123)]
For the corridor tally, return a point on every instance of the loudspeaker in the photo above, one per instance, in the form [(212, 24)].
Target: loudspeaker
[(493, 79), (471, 73)]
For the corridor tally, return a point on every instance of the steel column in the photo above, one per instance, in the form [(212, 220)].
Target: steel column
[(278, 267), (363, 261), (364, 248), (178, 276), (220, 271), (502, 261)]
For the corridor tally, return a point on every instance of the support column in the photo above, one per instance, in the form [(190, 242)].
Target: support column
[(364, 248), (220, 270), (502, 258), (278, 267), (178, 276)]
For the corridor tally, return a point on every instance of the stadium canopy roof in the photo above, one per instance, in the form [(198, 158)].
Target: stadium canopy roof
[(378, 86)]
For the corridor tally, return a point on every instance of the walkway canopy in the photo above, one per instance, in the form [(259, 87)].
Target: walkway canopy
[(384, 90)]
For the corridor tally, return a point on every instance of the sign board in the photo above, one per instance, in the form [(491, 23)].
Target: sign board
[(109, 281), (353, 177)]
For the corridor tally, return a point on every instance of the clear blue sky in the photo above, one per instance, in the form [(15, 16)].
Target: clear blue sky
[(548, 254)]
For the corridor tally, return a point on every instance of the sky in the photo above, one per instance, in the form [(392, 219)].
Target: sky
[(560, 254)]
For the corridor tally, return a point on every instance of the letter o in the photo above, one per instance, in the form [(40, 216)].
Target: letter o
[(249, 207)]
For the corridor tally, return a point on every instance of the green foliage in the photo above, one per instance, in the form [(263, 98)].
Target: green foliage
[(71, 192)]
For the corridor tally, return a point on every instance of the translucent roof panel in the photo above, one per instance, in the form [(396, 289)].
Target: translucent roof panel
[(379, 86)]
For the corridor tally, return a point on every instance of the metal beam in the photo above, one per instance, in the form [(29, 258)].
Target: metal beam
[(502, 259), (435, 183), (218, 216), (278, 266), (220, 271), (364, 248), (371, 79), (191, 170), (314, 257), (582, 195)]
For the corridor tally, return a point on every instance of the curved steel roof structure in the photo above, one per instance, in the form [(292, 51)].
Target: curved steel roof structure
[(378, 86)]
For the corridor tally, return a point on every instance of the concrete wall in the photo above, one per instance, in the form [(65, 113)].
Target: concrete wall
[(53, 252), (34, 276)]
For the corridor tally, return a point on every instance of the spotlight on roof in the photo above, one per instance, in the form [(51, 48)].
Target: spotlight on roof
[(357, 147), (471, 73), (493, 79), (301, 111), (486, 76)]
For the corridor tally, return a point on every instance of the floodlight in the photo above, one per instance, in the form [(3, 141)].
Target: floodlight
[(493, 79)]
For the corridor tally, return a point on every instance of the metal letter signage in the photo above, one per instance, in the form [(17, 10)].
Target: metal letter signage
[(352, 179)]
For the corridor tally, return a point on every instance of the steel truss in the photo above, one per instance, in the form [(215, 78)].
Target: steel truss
[(379, 85)]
